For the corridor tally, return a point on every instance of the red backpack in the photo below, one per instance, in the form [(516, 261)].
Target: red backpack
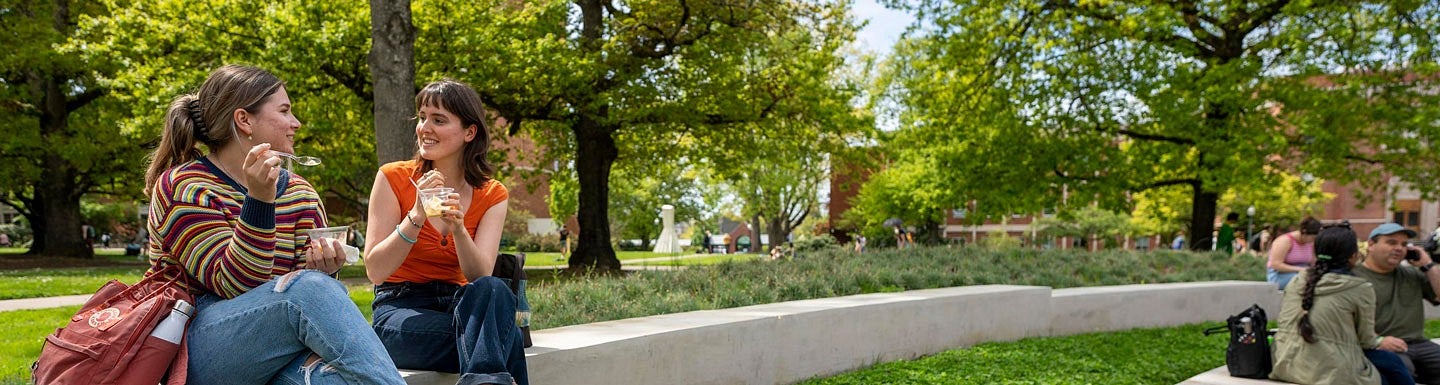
[(109, 341)]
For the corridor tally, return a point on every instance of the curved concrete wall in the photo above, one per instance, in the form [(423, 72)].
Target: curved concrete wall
[(788, 342)]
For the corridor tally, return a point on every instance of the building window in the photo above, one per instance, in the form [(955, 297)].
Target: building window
[(1407, 213), (958, 213)]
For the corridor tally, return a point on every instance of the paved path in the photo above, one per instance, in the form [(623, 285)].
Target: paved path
[(41, 303), (74, 300)]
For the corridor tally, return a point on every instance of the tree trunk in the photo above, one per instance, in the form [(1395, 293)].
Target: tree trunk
[(755, 245), (594, 154), (392, 65), (1202, 217), (58, 229), (776, 231)]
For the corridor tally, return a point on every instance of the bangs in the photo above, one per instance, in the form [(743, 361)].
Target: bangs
[(436, 95)]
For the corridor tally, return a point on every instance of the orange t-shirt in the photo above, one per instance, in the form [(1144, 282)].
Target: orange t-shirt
[(429, 261)]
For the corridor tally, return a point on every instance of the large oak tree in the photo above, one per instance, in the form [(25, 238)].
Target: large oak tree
[(60, 140)]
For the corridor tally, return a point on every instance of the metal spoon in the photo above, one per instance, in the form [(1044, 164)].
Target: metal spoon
[(301, 160)]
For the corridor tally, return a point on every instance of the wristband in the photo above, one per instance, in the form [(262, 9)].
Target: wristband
[(412, 220), (402, 235), (1426, 268)]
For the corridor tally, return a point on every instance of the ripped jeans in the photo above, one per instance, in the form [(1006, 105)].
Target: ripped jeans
[(267, 337)]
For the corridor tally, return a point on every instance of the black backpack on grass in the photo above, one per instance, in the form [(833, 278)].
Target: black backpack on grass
[(1248, 353)]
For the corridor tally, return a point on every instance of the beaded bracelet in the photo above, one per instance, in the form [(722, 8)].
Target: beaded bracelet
[(402, 234)]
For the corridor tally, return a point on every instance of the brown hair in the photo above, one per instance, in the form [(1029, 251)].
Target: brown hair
[(464, 102), (206, 116), (1310, 225)]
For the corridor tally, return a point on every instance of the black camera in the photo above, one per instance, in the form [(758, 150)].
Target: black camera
[(1412, 254)]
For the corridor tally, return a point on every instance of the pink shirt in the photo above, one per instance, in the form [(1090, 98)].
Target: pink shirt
[(1301, 254)]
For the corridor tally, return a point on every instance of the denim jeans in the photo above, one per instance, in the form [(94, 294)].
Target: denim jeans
[(1392, 369), (1278, 278), (442, 327), (265, 336)]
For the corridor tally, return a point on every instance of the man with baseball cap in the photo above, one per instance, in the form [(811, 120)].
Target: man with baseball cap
[(1399, 289)]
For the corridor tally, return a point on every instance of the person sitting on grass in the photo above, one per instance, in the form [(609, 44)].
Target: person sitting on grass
[(1327, 323)]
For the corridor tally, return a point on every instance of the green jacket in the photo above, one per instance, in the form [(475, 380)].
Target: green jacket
[(1343, 316)]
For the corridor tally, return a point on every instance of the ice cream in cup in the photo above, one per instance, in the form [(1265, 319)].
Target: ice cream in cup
[(433, 200), (352, 253)]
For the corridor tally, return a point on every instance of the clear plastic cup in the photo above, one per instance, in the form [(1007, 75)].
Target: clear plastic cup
[(340, 233), (433, 200)]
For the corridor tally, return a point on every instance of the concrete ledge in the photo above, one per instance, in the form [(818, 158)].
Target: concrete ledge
[(787, 342), (1110, 308), (1221, 376)]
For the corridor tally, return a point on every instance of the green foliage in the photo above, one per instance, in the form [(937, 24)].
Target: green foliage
[(1086, 222), (530, 243), (166, 48), (636, 193), (1167, 210), (564, 196), (817, 243), (1020, 105), (999, 241), (61, 140)]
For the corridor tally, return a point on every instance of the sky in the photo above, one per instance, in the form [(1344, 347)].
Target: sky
[(885, 27)]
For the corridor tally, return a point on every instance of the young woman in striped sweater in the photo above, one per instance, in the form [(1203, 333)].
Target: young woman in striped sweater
[(267, 309)]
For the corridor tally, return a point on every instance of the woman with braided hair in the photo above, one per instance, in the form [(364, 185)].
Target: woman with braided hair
[(1327, 327)]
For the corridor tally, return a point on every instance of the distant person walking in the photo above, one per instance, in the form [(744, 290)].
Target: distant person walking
[(1225, 240), (860, 244)]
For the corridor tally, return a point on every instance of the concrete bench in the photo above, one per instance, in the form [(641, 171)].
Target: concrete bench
[(788, 342), (1221, 376)]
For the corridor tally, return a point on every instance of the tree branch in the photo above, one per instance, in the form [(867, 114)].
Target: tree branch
[(84, 98), (1155, 137)]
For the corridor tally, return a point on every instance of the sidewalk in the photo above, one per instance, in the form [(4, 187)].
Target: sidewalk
[(44, 302)]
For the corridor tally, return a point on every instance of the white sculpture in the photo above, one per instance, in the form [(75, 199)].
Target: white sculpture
[(668, 242)]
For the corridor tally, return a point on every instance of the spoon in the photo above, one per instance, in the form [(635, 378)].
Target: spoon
[(301, 160)]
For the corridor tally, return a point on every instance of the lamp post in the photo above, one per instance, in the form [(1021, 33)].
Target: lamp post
[(1250, 228)]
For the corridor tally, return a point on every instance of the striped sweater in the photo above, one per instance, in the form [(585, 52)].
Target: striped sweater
[(229, 243)]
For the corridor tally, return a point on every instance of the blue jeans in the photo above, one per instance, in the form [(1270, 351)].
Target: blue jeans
[(1392, 369), (266, 337), (456, 329), (1278, 278)]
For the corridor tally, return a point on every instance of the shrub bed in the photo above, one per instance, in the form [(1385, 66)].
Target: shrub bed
[(834, 272)]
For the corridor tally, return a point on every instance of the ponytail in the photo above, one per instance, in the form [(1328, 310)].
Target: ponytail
[(206, 116), (177, 140)]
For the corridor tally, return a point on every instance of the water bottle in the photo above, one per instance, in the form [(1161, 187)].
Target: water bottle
[(172, 328), (522, 309)]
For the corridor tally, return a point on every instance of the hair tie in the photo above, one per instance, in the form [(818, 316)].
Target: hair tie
[(1322, 257), (196, 117)]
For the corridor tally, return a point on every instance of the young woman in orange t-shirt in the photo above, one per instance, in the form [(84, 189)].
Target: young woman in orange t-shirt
[(437, 307)]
